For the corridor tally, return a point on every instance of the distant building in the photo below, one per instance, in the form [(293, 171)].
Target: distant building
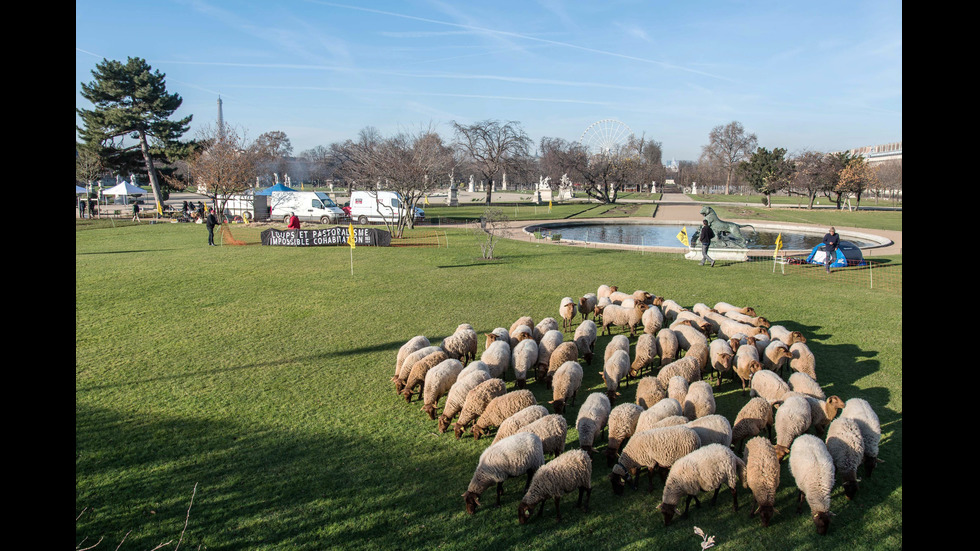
[(877, 154)]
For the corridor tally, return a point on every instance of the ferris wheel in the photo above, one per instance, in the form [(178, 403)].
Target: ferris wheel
[(604, 136)]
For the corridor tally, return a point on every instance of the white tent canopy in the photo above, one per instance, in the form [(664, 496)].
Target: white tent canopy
[(79, 190), (124, 188)]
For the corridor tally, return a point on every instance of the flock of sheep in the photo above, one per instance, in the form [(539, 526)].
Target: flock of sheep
[(671, 429)]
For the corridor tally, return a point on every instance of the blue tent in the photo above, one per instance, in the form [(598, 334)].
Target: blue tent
[(277, 187), (848, 254)]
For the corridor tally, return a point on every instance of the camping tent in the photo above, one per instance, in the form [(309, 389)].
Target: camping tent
[(124, 188), (277, 187), (847, 254)]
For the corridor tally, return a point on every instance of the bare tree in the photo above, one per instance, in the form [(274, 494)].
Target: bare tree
[(857, 178), (274, 150), (225, 165), (495, 147), (890, 174), (810, 175), (728, 145), (318, 167), (491, 223)]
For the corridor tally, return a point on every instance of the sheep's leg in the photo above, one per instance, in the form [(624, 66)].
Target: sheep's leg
[(527, 485), (588, 498), (755, 509), (714, 498), (799, 503), (558, 508), (734, 499), (500, 491), (650, 477), (541, 509)]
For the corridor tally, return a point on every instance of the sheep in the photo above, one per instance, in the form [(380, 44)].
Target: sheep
[(652, 320), (406, 367), (643, 296), (671, 309), (757, 321), (812, 468), (846, 445), (600, 305), (549, 342), (586, 305), (461, 345), (566, 311), (498, 334), (860, 410), (552, 430), (415, 343), (712, 429), (497, 357), (592, 418), (693, 320), (500, 408), (727, 327), (722, 307), (754, 416), (677, 388), (668, 407), (614, 371), (565, 384), (622, 317), (700, 352), (622, 425), (543, 326), (803, 360), (688, 335), (419, 370), (655, 449), (747, 365), (761, 342), (568, 472), (521, 333), (457, 396), (605, 291), (767, 384), (585, 336), (438, 381), (668, 345), (762, 477), (687, 367), (618, 342), (618, 297), (804, 384), (775, 356), (523, 321), (822, 412), (649, 391), (670, 421), (721, 356), (701, 308), (789, 337), (793, 418), (700, 400), (513, 456), (566, 352), (519, 420), (704, 469), (476, 401), (524, 359)]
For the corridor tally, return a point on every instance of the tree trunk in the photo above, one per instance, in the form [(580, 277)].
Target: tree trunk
[(151, 171)]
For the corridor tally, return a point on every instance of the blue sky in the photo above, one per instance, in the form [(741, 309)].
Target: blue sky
[(823, 76)]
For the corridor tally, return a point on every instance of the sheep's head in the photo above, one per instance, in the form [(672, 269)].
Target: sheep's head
[(657, 301), (491, 337), (734, 344), (822, 522), (521, 383), (754, 366), (477, 432), (618, 479), (612, 394), (524, 512), (612, 452), (588, 357), (851, 488), (668, 512), (472, 501), (796, 336), (559, 405), (835, 401), (430, 410), (407, 393), (766, 513), (870, 463), (399, 386), (458, 430), (781, 451), (762, 322), (443, 423), (749, 311)]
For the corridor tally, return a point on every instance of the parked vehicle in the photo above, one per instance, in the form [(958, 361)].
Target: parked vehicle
[(379, 206), (309, 206), (245, 205)]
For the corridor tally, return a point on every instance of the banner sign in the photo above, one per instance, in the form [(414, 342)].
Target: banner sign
[(326, 237)]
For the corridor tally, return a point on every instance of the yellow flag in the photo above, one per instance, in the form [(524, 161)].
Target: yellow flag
[(426, 199), (549, 206), (779, 244), (682, 237), (350, 234), (159, 208)]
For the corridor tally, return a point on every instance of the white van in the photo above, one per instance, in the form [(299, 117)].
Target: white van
[(379, 206), (309, 206)]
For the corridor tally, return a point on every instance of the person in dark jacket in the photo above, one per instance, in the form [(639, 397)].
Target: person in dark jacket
[(211, 221), (830, 243), (704, 237)]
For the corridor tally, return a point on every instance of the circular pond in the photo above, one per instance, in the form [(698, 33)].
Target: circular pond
[(665, 235)]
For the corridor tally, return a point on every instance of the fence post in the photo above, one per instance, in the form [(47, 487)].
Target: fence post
[(871, 276)]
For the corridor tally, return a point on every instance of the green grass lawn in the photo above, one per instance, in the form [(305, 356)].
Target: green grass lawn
[(261, 375), (872, 220)]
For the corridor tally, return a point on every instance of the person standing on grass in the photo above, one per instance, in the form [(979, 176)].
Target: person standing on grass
[(136, 212), (830, 241), (211, 221), (704, 237), (293, 222)]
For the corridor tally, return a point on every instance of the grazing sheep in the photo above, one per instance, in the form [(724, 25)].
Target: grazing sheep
[(793, 418), (804, 384), (761, 342), (566, 352), (457, 395), (513, 456), (775, 356), (618, 297), (649, 391), (498, 334), (846, 445), (500, 408), (564, 474), (652, 320), (677, 388), (860, 410), (566, 311), (789, 337), (592, 418), (521, 333), (600, 305), (812, 468), (543, 326), (721, 356), (701, 353), (693, 320), (723, 307), (727, 327), (461, 345), (702, 470), (747, 365), (552, 430), (670, 421), (549, 342), (438, 381), (586, 305), (476, 401), (701, 308), (622, 425), (668, 345), (754, 416), (614, 371), (712, 429), (671, 309), (668, 407), (622, 317), (415, 343), (643, 296), (688, 335), (408, 363), (618, 342), (655, 449), (519, 420), (757, 321), (605, 291), (762, 477), (497, 357), (802, 360), (700, 400), (419, 370), (524, 359), (687, 367), (585, 335), (822, 412), (767, 384), (523, 321), (565, 384)]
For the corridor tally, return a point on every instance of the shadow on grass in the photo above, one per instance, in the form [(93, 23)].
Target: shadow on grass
[(126, 252)]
